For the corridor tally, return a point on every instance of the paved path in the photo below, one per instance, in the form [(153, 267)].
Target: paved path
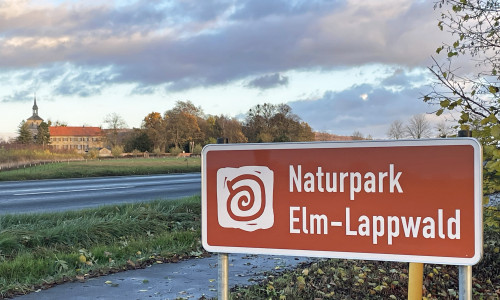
[(189, 279)]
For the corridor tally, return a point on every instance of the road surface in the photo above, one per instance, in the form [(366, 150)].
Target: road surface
[(71, 194)]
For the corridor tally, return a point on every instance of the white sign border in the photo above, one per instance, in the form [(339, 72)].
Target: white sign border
[(478, 195)]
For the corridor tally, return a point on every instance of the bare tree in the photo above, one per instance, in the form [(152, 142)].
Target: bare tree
[(444, 130), (418, 127), (356, 135), (114, 122), (396, 130)]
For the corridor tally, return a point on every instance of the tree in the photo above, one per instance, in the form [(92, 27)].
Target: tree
[(396, 130), (116, 151), (356, 135), (140, 141), (43, 134), (475, 24), (182, 124), (114, 122), (472, 90), (57, 123), (444, 130), (275, 123), (257, 122), (222, 126), (156, 129), (418, 127), (24, 134)]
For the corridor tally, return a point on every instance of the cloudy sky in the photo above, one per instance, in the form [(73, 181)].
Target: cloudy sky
[(342, 65)]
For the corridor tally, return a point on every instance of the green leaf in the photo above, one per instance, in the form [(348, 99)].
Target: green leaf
[(456, 44), (439, 112), (495, 131), (439, 49), (451, 54), (464, 117), (445, 74), (444, 103), (493, 89)]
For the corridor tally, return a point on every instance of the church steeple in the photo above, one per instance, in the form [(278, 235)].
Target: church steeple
[(35, 107)]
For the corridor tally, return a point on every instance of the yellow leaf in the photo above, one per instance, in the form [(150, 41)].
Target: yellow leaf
[(108, 282), (301, 283), (305, 272), (82, 258)]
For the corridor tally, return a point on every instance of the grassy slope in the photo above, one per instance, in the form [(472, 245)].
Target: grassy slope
[(38, 250), (108, 167)]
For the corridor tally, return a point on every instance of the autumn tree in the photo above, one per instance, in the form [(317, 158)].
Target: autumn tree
[(155, 127), (181, 124), (275, 123), (223, 126), (257, 126), (467, 78)]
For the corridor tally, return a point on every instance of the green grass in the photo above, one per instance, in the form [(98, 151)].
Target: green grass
[(106, 167), (39, 250), (355, 279)]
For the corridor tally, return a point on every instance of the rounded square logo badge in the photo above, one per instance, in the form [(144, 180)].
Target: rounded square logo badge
[(245, 197)]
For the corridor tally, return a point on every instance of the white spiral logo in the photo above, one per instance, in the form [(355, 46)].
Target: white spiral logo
[(244, 197)]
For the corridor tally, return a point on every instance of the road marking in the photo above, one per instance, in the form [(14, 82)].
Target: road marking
[(71, 191)]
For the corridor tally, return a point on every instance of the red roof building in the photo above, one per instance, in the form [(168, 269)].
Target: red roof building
[(80, 139)]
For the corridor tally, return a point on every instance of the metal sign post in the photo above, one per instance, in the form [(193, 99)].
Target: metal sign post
[(465, 272), (223, 268), (415, 281), (223, 278)]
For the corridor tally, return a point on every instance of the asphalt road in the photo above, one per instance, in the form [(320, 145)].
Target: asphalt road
[(72, 194)]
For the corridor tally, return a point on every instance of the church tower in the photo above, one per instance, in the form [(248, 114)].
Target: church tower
[(34, 121)]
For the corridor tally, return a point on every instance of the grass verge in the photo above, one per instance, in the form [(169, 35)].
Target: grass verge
[(107, 167), (40, 250), (355, 279)]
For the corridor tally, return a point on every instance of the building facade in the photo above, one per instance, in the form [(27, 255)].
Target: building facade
[(80, 139)]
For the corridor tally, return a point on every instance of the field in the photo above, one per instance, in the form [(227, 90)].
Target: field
[(103, 167)]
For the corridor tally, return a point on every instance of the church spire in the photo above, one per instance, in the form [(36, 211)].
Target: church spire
[(35, 107)]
